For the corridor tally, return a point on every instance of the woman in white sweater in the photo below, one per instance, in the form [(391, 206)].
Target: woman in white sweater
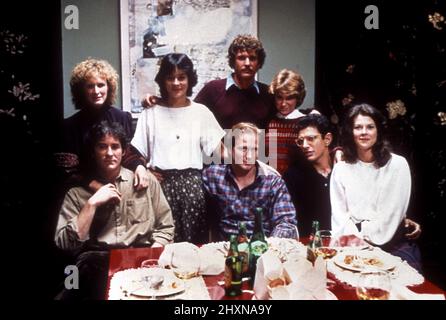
[(175, 135), (370, 191)]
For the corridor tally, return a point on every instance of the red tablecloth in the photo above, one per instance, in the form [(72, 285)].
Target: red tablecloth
[(121, 259)]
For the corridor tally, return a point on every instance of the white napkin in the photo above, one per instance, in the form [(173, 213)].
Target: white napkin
[(287, 249), (305, 281), (272, 267), (295, 269), (308, 282), (403, 293), (269, 268), (211, 259)]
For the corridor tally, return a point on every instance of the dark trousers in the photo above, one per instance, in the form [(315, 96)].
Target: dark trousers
[(408, 251)]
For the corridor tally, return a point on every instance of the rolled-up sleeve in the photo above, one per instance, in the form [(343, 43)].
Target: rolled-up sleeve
[(66, 236)]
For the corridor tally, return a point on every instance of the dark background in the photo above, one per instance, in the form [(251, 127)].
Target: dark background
[(404, 59)]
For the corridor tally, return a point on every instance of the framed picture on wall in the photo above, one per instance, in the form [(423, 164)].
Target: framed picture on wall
[(203, 30)]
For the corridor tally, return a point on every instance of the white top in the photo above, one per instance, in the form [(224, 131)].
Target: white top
[(378, 198), (295, 114), (176, 138)]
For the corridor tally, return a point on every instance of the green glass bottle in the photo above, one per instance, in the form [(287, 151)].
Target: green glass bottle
[(257, 244), (233, 270), (311, 255), (243, 248)]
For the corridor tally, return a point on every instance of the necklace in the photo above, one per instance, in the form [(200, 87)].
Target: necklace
[(173, 120), (173, 116), (177, 125)]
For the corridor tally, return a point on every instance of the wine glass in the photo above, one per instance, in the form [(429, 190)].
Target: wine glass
[(324, 243), (185, 264), (150, 263), (296, 233), (373, 284), (153, 280)]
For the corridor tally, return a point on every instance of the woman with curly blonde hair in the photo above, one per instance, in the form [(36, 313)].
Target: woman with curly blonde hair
[(93, 86), (90, 69)]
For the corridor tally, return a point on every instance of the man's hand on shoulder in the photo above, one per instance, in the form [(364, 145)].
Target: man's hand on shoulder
[(149, 101), (338, 155), (141, 178)]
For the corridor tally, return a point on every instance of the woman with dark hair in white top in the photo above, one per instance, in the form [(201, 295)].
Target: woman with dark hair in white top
[(370, 191), (174, 135)]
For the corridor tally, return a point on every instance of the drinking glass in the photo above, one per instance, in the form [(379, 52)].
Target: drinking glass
[(296, 233), (324, 243), (150, 263), (185, 263), (153, 280), (373, 284)]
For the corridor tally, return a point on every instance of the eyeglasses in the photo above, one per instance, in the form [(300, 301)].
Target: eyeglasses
[(310, 139)]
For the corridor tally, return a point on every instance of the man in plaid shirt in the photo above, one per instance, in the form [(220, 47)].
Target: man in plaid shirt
[(236, 189)]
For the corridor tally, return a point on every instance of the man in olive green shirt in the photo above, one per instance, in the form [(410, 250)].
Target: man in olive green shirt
[(115, 216)]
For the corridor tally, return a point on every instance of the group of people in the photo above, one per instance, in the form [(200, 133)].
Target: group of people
[(150, 187)]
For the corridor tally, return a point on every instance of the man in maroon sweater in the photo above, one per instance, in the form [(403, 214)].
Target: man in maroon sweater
[(239, 97)]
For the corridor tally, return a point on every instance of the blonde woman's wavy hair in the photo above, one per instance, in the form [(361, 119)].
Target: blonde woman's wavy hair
[(92, 68), (290, 83)]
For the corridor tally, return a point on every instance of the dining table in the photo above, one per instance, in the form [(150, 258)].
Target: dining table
[(123, 259)]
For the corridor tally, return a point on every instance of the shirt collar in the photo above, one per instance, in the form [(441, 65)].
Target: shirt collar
[(231, 82), (230, 175), (124, 175), (292, 115), (266, 170)]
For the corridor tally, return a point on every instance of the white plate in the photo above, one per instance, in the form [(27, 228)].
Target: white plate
[(365, 259), (139, 287)]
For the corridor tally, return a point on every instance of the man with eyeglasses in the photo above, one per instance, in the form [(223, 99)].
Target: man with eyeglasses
[(308, 179)]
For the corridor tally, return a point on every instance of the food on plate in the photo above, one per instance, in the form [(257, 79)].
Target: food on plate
[(326, 252), (356, 261), (349, 259)]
